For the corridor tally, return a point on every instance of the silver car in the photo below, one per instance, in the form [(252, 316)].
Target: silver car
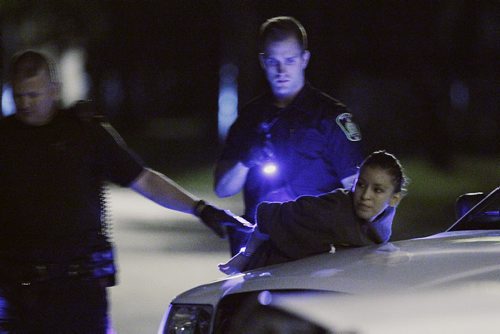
[(373, 284)]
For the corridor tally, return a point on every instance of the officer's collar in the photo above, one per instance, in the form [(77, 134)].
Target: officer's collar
[(298, 102)]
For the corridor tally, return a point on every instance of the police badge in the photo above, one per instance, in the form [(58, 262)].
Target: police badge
[(350, 128)]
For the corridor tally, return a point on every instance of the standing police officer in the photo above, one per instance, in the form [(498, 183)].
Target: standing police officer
[(309, 137), (55, 256)]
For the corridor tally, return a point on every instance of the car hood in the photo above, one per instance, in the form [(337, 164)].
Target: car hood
[(458, 309), (439, 260)]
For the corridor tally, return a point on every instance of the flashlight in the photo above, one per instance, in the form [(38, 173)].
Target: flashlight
[(269, 168)]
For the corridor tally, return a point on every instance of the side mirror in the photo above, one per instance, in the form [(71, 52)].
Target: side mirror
[(465, 202), (477, 211)]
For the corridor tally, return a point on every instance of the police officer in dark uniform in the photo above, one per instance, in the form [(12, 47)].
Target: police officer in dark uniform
[(294, 140), (56, 258)]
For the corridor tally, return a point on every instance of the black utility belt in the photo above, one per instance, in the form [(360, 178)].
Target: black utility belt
[(100, 265)]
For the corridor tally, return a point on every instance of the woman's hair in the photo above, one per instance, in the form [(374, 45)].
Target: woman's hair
[(389, 163), (29, 63), (279, 28)]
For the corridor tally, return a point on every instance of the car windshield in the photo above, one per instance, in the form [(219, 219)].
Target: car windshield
[(484, 215)]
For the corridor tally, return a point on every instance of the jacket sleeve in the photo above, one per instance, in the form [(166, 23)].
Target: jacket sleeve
[(312, 224), (306, 226), (120, 164)]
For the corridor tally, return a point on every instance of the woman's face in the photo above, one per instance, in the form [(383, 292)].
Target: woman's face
[(373, 193)]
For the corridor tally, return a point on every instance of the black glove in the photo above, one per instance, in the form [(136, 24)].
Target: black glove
[(258, 154), (216, 219)]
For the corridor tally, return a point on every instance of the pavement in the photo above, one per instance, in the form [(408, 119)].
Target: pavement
[(160, 253)]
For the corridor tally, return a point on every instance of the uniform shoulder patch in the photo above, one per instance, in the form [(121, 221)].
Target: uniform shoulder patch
[(350, 129)]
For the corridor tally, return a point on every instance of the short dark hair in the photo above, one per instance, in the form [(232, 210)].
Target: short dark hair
[(279, 28), (29, 63), (388, 162)]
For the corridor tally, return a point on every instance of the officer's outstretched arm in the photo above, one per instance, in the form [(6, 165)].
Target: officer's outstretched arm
[(165, 192)]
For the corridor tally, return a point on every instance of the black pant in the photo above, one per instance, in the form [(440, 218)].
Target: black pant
[(69, 306)]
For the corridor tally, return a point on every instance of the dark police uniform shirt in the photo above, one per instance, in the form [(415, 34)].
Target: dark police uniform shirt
[(51, 180), (313, 224), (316, 144)]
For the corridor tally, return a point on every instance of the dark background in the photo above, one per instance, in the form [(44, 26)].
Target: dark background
[(421, 77)]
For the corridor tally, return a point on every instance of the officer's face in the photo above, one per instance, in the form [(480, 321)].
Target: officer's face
[(373, 193), (35, 98), (284, 63)]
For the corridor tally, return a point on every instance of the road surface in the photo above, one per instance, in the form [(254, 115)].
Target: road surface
[(160, 253)]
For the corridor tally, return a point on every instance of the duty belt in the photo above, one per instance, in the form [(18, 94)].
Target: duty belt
[(100, 265)]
